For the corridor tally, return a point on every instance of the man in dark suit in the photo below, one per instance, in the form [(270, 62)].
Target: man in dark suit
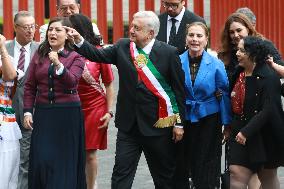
[(148, 70), (22, 48), (177, 14)]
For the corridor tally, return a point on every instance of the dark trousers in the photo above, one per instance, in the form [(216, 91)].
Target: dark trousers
[(205, 147), (25, 142), (182, 172), (159, 152)]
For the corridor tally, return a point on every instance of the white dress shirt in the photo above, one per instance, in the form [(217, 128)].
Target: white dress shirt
[(17, 52), (178, 21)]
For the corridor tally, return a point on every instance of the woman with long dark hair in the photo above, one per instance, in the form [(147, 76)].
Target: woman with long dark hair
[(52, 109), (237, 26), (96, 103)]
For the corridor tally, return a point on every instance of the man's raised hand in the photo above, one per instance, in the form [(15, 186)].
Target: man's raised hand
[(73, 35)]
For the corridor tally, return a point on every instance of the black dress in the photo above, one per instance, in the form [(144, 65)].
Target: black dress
[(261, 123)]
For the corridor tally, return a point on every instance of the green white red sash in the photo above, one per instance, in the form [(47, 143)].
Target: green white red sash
[(156, 83)]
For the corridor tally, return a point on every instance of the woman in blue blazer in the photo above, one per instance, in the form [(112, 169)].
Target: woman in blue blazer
[(205, 113)]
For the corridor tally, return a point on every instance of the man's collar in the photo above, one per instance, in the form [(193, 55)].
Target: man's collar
[(20, 46), (179, 16), (147, 49)]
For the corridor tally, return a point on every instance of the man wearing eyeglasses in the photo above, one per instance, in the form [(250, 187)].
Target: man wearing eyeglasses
[(22, 49), (175, 12), (66, 8)]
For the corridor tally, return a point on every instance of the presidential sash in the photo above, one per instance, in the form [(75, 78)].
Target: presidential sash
[(156, 83)]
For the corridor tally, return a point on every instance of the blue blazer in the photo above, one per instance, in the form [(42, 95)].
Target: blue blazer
[(200, 98)]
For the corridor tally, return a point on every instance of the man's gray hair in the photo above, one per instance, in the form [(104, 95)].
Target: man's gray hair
[(21, 14), (249, 14), (152, 20), (58, 2)]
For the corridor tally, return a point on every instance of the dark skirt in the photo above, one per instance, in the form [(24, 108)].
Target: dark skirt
[(57, 152), (205, 150), (261, 150), (251, 155)]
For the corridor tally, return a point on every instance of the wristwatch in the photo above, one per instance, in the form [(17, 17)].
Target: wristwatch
[(110, 113)]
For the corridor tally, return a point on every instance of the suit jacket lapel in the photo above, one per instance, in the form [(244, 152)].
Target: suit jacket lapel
[(203, 70), (153, 56), (34, 47), (163, 27), (10, 47), (182, 25)]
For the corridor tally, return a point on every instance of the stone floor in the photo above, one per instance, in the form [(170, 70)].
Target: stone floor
[(143, 178)]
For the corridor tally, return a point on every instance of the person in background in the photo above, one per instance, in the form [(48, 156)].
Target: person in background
[(22, 49), (10, 132), (249, 14), (256, 142), (237, 26), (52, 110), (144, 118), (66, 8), (276, 66), (173, 23), (205, 114), (96, 103)]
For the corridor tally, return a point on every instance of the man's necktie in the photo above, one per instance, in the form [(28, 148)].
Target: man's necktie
[(173, 32), (21, 62)]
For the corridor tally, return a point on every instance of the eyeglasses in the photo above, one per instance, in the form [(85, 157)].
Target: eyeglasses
[(64, 8), (28, 27), (167, 5)]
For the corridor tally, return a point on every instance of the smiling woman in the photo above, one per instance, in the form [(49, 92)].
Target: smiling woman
[(52, 109), (205, 114), (237, 26), (257, 116)]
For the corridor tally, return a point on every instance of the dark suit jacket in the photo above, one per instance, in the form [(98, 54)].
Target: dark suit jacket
[(136, 105), (179, 41), (18, 105)]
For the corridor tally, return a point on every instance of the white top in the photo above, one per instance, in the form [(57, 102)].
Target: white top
[(17, 52)]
